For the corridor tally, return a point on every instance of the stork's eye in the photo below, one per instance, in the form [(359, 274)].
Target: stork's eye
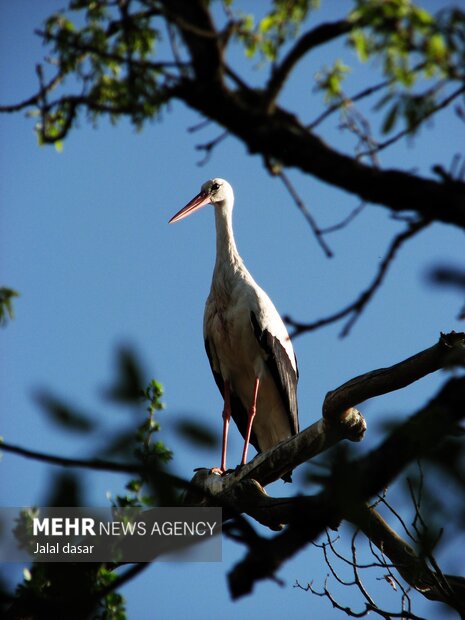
[(215, 187)]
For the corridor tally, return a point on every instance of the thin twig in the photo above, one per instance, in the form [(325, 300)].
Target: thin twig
[(349, 562), (399, 518), (404, 615), (333, 570), (93, 464), (352, 215), (306, 213), (356, 308), (393, 581), (209, 146), (355, 567), (346, 101), (199, 126), (34, 100), (357, 124), (408, 130)]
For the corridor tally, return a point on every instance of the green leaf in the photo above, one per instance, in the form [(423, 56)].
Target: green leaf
[(390, 118), (6, 304), (127, 388), (360, 42), (64, 415), (436, 48), (196, 433)]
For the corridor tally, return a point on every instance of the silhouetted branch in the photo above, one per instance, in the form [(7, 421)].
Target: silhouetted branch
[(335, 227), (411, 128), (340, 420), (448, 351), (306, 213), (412, 567), (369, 607), (92, 464), (356, 481), (347, 101), (355, 309), (209, 146), (96, 464), (35, 99)]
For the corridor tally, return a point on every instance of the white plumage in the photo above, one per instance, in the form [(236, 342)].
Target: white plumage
[(250, 352)]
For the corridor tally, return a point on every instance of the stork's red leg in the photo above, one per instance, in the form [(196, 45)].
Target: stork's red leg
[(252, 412), (226, 418)]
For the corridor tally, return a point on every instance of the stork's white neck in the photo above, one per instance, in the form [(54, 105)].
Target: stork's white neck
[(226, 250)]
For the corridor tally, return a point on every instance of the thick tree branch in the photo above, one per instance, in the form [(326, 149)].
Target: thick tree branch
[(276, 134), (194, 21), (354, 483), (244, 113), (340, 420), (448, 351)]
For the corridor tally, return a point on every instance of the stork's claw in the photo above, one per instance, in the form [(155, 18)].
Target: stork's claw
[(216, 470), (220, 472)]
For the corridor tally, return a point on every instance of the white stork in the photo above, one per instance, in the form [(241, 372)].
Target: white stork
[(249, 349)]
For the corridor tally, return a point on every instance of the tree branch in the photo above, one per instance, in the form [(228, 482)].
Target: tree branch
[(409, 130), (340, 420), (356, 307), (413, 568), (353, 483), (448, 351), (95, 464), (306, 213), (245, 114)]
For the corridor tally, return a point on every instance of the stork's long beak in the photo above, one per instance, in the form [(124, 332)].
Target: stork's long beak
[(196, 203)]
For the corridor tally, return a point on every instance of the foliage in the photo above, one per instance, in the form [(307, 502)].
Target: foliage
[(131, 58), (282, 23), (116, 57), (415, 48)]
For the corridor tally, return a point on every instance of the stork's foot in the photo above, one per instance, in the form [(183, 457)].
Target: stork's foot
[(217, 470), (220, 472)]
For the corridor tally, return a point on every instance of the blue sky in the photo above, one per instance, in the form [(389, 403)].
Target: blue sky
[(85, 240)]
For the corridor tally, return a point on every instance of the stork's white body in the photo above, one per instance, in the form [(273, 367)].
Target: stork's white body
[(235, 351), (249, 349)]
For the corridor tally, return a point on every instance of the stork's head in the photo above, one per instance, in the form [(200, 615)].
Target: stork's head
[(217, 192)]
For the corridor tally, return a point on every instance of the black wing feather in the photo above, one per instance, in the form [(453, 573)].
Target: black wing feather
[(283, 373)]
